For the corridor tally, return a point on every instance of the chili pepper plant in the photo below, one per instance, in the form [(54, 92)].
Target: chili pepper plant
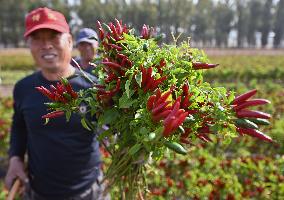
[(154, 100)]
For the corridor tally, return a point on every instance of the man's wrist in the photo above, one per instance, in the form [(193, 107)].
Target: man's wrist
[(16, 158)]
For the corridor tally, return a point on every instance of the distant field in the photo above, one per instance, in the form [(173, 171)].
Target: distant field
[(236, 65)]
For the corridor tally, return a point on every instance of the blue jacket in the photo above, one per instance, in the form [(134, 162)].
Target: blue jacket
[(63, 157)]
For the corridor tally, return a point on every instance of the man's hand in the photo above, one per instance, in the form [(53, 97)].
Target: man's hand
[(16, 170)]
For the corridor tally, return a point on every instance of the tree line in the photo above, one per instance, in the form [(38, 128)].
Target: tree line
[(208, 23)]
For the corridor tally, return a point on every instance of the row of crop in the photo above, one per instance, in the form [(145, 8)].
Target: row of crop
[(201, 175), (238, 67)]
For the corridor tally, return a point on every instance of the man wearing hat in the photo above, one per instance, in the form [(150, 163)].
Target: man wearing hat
[(63, 158), (87, 44)]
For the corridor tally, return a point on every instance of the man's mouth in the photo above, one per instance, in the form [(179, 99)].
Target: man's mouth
[(49, 57)]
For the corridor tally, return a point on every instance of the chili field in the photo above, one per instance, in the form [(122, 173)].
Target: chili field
[(244, 168)]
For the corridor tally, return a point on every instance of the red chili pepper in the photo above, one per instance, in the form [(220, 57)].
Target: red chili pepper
[(184, 140), (158, 95), (99, 24), (204, 129), (161, 115), (186, 133), (159, 108), (178, 100), (101, 34), (121, 56), (118, 48), (162, 63), (253, 102), (112, 65), (185, 102), (70, 91), (60, 98), (252, 114), (46, 92), (60, 88), (145, 34), (129, 62), (148, 85), (125, 29), (150, 102), (164, 96), (115, 34), (52, 88), (112, 27), (173, 113), (144, 76), (204, 137), (53, 114), (193, 111), (123, 62), (157, 82), (185, 88), (111, 77), (243, 97), (175, 122), (168, 126), (199, 65), (254, 133), (181, 118), (117, 87), (149, 74), (118, 27)]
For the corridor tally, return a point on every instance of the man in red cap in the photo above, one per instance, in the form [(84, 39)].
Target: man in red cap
[(63, 159)]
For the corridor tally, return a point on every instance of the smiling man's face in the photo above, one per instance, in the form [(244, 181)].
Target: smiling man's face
[(50, 49)]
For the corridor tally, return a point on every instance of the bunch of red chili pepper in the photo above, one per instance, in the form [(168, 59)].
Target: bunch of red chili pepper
[(61, 93), (115, 64), (172, 116), (248, 120), (112, 34), (116, 67), (105, 95), (149, 83), (145, 32)]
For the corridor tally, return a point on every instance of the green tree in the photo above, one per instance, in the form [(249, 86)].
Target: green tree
[(203, 22), (223, 17), (175, 17), (266, 22), (242, 23), (278, 27), (254, 20), (12, 22)]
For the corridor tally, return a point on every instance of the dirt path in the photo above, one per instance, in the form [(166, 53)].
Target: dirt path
[(6, 90)]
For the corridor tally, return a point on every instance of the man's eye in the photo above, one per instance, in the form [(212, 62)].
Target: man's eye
[(55, 35)]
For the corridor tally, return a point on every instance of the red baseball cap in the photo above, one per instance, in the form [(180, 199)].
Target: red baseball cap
[(45, 18)]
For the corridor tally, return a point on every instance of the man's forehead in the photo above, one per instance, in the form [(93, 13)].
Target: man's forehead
[(45, 31)]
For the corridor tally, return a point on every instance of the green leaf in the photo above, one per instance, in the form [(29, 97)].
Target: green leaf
[(109, 116), (84, 124), (138, 78), (227, 140), (125, 102), (127, 84), (68, 115), (231, 97), (143, 130), (134, 149)]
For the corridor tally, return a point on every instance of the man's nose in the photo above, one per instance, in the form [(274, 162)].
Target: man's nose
[(46, 44)]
